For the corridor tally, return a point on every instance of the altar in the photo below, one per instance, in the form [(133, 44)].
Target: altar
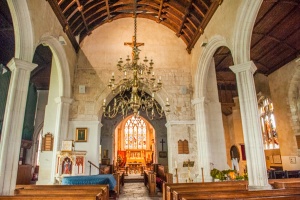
[(136, 159)]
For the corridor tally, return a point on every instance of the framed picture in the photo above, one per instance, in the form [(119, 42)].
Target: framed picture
[(81, 135)]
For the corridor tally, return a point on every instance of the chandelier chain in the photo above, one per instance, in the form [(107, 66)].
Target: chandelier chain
[(132, 95), (135, 26)]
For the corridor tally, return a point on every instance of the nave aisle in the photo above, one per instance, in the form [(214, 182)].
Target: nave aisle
[(135, 190)]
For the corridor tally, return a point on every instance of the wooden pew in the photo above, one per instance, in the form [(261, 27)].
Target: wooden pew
[(54, 197), (169, 187), (283, 180), (150, 182), (162, 177), (283, 185), (179, 192), (117, 176), (258, 194), (97, 191)]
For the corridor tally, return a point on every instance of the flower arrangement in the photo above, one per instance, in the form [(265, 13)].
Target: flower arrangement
[(227, 175)]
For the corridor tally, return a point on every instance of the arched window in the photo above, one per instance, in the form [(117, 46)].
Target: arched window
[(268, 124), (135, 133)]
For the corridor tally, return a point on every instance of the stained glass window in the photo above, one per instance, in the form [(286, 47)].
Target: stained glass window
[(268, 124), (135, 133)]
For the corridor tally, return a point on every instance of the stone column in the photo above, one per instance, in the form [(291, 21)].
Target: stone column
[(61, 128), (202, 139), (256, 164), (13, 124)]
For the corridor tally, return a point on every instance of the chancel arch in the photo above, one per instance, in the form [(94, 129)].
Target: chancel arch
[(134, 143), (112, 138)]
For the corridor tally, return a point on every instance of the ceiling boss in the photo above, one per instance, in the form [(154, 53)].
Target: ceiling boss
[(137, 79)]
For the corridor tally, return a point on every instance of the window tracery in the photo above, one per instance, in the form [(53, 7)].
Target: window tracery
[(135, 133), (268, 124)]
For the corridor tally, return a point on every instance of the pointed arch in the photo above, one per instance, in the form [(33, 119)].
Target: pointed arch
[(204, 64), (60, 58), (22, 29), (243, 30)]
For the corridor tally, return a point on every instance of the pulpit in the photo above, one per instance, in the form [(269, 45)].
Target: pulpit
[(70, 163)]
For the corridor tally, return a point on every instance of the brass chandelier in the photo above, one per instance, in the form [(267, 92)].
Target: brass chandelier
[(137, 79)]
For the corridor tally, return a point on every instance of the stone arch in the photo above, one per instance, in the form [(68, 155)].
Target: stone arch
[(23, 30), (294, 101), (121, 125), (204, 64), (60, 58), (35, 145), (207, 132), (243, 30), (109, 125)]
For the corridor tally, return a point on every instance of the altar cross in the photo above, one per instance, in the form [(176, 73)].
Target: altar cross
[(162, 144), (133, 45)]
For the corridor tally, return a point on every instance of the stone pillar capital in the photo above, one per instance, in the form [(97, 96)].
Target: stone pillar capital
[(63, 100), (13, 123), (15, 63), (244, 67), (198, 100)]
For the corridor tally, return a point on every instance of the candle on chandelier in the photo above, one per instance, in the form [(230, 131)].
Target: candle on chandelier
[(176, 164)]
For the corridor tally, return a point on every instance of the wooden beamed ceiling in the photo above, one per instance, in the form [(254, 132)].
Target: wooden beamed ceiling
[(274, 42), (187, 18)]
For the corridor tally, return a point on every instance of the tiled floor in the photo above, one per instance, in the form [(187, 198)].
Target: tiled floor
[(136, 190)]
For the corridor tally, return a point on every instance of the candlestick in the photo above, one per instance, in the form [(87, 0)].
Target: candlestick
[(176, 175), (202, 174)]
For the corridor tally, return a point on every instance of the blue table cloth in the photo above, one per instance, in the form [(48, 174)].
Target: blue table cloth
[(91, 180)]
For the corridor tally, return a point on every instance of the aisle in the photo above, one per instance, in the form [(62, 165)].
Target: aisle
[(136, 190)]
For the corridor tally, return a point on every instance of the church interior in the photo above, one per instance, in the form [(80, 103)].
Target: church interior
[(170, 91)]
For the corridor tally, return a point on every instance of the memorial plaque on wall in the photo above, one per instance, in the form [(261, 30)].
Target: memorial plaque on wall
[(163, 154), (47, 142), (183, 147)]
